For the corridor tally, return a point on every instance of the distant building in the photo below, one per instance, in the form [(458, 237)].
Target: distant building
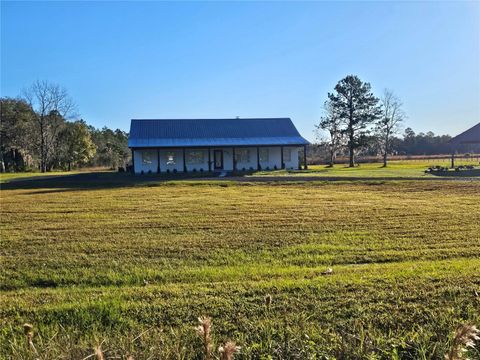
[(183, 145), (470, 136)]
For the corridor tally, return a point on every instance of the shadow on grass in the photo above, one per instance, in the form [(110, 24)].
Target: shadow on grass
[(112, 180), (96, 181)]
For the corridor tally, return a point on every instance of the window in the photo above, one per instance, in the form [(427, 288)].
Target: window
[(147, 157), (195, 157), (170, 155), (287, 155), (263, 155), (242, 155)]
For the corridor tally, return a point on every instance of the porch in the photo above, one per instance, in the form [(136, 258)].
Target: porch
[(193, 159)]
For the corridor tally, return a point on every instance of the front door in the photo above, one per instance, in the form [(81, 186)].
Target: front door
[(218, 159)]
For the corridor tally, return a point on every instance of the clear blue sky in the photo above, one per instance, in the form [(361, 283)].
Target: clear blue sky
[(123, 60)]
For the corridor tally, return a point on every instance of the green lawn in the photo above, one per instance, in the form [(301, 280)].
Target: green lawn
[(396, 169), (132, 265)]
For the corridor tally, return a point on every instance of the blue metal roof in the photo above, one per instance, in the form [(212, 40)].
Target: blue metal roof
[(213, 132)]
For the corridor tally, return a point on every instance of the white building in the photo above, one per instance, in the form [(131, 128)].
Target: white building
[(184, 145)]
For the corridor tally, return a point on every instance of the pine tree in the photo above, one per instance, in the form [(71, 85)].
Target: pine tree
[(358, 108)]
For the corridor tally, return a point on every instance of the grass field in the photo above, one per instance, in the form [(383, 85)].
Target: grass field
[(395, 169), (132, 265)]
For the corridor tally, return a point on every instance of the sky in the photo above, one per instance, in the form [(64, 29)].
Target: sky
[(124, 60)]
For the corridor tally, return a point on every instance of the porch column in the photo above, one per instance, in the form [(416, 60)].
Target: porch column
[(258, 158), (305, 167), (133, 162), (209, 161), (184, 162), (158, 161), (234, 160), (281, 158)]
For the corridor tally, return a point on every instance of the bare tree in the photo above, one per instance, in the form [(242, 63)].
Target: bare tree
[(389, 123), (51, 105), (331, 123)]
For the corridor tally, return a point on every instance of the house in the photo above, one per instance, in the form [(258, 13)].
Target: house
[(184, 145)]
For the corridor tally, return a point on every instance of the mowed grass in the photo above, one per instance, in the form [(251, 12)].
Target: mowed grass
[(395, 169), (132, 267)]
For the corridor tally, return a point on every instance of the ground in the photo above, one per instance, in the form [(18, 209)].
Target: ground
[(132, 263)]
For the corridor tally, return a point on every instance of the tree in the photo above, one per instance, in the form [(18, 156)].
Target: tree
[(358, 108), (51, 105), (112, 147), (16, 118), (76, 145), (388, 124), (331, 123)]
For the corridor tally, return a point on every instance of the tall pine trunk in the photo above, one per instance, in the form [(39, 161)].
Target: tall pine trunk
[(351, 134), (351, 150)]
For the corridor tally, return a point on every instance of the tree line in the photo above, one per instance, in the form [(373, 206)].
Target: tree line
[(41, 130), (359, 123)]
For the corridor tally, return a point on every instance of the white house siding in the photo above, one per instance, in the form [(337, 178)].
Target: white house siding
[(177, 159), (141, 165), (197, 166), (227, 158), (294, 162), (247, 165), (274, 159), (145, 167)]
